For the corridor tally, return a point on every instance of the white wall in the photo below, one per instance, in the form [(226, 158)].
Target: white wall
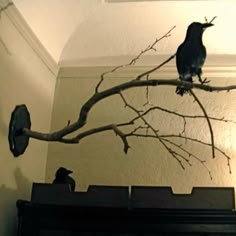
[(26, 77), (72, 29), (54, 21), (116, 29)]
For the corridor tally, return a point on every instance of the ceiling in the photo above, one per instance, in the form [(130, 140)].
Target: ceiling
[(75, 30)]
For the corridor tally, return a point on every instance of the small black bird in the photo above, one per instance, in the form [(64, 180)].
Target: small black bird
[(62, 177), (191, 55)]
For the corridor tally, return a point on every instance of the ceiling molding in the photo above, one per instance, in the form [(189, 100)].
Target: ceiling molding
[(216, 66), (22, 27), (218, 60)]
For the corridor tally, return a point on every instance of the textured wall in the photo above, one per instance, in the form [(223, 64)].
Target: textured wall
[(54, 21), (126, 28), (24, 79), (72, 29), (99, 159)]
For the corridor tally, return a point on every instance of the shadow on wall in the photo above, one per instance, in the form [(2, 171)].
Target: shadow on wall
[(3, 125), (8, 196)]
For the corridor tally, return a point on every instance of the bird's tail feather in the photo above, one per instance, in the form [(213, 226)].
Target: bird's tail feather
[(181, 91)]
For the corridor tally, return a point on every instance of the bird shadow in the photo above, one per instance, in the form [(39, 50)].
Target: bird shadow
[(9, 197)]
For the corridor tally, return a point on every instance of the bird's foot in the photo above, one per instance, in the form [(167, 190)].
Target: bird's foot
[(205, 81)]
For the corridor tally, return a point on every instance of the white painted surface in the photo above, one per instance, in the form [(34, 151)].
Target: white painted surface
[(54, 21), (72, 30), (25, 79), (127, 28)]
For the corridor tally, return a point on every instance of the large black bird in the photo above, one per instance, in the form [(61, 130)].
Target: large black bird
[(62, 177), (191, 55)]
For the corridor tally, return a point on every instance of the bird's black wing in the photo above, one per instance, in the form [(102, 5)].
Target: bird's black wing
[(69, 180), (189, 59)]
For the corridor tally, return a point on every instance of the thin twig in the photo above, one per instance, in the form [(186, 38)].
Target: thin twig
[(184, 115), (202, 162), (184, 138), (133, 61), (174, 154), (155, 68), (208, 121), (210, 20), (203, 143), (147, 93)]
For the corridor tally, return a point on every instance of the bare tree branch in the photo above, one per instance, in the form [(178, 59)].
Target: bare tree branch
[(173, 153), (57, 135), (184, 116), (203, 143), (184, 138), (155, 68), (146, 130), (147, 94), (155, 132), (208, 122), (202, 162), (210, 20), (133, 61)]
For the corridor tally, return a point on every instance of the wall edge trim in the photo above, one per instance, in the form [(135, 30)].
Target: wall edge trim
[(26, 32)]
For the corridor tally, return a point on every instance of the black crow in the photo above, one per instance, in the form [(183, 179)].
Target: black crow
[(62, 177), (191, 55)]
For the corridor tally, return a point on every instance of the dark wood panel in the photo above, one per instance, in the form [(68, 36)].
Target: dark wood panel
[(109, 210)]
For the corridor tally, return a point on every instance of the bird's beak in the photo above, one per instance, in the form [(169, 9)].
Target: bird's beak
[(69, 172), (206, 25)]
